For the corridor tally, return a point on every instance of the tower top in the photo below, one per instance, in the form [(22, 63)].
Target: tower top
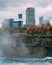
[(30, 8)]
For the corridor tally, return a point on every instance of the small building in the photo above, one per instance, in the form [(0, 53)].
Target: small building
[(17, 23), (7, 23)]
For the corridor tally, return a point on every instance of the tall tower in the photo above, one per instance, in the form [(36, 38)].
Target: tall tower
[(30, 17), (41, 20)]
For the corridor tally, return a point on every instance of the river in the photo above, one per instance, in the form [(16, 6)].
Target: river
[(25, 61)]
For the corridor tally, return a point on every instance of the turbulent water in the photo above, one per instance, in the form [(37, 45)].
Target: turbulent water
[(23, 61)]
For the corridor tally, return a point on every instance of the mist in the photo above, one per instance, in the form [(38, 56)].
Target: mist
[(12, 46)]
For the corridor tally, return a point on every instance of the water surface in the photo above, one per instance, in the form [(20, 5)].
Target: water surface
[(25, 61)]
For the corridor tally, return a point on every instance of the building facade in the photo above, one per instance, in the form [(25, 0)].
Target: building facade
[(7, 23), (11, 22), (46, 21), (30, 16), (17, 23), (41, 21), (20, 16)]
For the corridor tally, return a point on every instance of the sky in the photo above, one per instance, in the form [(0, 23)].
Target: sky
[(11, 8)]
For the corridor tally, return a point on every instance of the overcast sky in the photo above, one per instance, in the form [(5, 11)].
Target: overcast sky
[(10, 9)]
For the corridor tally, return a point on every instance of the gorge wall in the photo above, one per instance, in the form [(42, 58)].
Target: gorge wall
[(21, 46)]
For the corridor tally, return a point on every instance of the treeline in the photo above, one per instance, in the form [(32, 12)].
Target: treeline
[(40, 30)]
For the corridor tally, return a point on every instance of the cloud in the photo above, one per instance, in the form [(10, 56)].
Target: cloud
[(45, 11), (10, 9), (14, 3)]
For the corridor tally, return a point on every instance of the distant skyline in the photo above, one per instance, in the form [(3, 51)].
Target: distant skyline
[(11, 8)]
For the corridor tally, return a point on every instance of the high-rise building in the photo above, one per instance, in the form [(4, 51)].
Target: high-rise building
[(46, 21), (30, 17), (41, 20)]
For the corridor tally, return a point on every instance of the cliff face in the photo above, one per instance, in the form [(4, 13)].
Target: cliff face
[(25, 46), (30, 47), (39, 47)]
